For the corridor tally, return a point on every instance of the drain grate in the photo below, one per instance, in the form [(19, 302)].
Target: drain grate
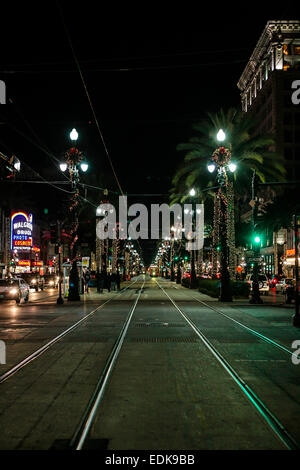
[(175, 339), (238, 340)]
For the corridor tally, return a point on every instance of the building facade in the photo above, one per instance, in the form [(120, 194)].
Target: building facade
[(267, 87)]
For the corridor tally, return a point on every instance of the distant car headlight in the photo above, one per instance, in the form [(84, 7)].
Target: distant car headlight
[(13, 291), (33, 281)]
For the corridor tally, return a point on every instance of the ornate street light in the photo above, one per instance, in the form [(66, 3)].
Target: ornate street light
[(74, 161), (193, 278), (221, 161)]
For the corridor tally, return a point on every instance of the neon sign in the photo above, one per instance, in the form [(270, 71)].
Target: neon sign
[(21, 231), (23, 262)]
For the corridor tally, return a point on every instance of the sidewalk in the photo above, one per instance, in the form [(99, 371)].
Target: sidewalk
[(271, 300)]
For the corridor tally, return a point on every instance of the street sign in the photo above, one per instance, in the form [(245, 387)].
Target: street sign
[(254, 260), (85, 261)]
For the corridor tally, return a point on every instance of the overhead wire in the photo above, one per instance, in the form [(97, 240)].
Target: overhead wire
[(88, 95), (90, 101)]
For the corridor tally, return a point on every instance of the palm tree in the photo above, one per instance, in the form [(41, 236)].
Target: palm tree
[(249, 151)]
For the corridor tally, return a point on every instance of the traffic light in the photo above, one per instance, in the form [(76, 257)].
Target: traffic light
[(256, 239), (218, 248)]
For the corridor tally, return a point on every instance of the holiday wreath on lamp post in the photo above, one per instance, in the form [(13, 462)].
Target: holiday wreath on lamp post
[(221, 156)]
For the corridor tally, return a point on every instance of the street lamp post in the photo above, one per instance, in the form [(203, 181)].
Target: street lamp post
[(74, 161), (60, 299), (255, 296), (172, 242), (193, 278), (221, 161), (296, 317)]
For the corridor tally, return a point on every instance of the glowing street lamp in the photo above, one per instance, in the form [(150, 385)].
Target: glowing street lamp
[(221, 136), (211, 167), (63, 166), (232, 167), (73, 134), (192, 192), (221, 159), (84, 166)]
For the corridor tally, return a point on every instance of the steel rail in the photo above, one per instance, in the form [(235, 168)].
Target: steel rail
[(250, 330), (276, 426), (54, 340), (82, 431)]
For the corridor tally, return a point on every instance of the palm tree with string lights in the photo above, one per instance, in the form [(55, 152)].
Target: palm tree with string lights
[(248, 152)]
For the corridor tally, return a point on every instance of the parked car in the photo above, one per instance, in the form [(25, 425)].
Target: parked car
[(274, 281), (51, 280), (34, 280), (205, 276), (186, 275), (14, 289), (286, 283), (281, 284), (263, 283)]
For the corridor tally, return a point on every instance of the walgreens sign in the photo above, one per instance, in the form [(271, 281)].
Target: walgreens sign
[(21, 231)]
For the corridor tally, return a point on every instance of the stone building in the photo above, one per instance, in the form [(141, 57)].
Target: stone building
[(268, 87)]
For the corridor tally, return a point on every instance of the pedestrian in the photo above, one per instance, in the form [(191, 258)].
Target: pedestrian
[(108, 282), (118, 280), (87, 277), (98, 280), (113, 281)]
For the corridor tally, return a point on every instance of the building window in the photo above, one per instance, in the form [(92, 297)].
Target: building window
[(297, 50)]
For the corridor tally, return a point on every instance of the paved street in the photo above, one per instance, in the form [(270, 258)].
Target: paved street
[(170, 387)]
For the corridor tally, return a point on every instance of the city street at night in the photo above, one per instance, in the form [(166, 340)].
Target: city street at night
[(149, 233), (170, 387)]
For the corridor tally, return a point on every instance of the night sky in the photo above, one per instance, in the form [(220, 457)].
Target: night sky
[(150, 74)]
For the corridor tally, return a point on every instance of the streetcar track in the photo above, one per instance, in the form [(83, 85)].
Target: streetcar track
[(250, 330), (82, 432), (273, 422), (13, 370)]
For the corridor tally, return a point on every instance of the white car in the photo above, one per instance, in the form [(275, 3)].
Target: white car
[(14, 289), (263, 282)]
